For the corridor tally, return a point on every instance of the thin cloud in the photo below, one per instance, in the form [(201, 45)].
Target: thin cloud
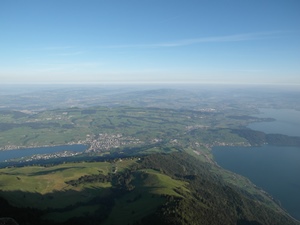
[(187, 42)]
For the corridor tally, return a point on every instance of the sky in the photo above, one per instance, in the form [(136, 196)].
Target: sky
[(150, 41)]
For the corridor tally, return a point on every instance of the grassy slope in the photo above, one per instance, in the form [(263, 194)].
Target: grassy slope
[(44, 187), (150, 187)]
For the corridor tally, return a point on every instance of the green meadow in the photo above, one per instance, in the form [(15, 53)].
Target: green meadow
[(43, 187), (47, 188)]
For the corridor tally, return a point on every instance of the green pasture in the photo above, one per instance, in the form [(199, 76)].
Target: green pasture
[(43, 187), (121, 164), (148, 195), (160, 184)]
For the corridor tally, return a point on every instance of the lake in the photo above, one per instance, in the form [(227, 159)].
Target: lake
[(274, 169), (26, 152), (287, 121)]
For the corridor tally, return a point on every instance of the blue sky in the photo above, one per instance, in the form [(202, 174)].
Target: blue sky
[(149, 41)]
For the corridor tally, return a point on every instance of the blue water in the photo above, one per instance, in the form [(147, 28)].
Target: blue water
[(275, 169), (18, 153), (287, 121)]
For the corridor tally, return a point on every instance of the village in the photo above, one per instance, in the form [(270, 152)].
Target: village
[(105, 142)]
